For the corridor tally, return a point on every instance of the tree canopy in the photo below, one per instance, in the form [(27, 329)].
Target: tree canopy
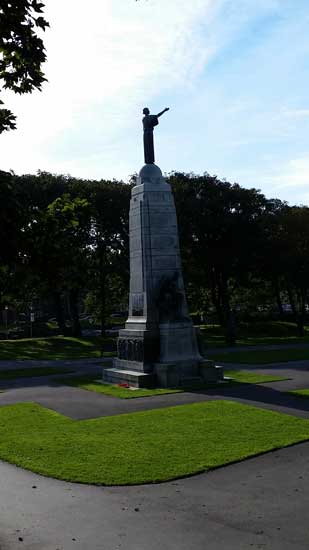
[(22, 51), (65, 241)]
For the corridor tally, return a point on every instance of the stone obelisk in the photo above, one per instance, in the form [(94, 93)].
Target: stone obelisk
[(158, 345)]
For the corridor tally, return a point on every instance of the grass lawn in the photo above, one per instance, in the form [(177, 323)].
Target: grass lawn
[(29, 373), (219, 341), (55, 347), (252, 377), (260, 356), (300, 393), (89, 383), (256, 333), (142, 447)]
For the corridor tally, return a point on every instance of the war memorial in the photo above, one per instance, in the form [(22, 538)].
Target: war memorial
[(158, 345)]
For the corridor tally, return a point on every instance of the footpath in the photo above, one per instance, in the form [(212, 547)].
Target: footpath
[(260, 503)]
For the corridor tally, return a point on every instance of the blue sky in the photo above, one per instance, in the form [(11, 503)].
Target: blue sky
[(235, 74)]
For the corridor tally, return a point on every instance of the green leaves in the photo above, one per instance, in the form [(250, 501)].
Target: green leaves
[(22, 52), (7, 120)]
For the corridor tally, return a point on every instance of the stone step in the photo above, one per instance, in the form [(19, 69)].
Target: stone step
[(133, 378)]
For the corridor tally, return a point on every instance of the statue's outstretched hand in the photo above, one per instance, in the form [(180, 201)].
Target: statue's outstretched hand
[(166, 109)]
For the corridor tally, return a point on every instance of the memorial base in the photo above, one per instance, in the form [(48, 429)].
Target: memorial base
[(158, 346), (177, 375)]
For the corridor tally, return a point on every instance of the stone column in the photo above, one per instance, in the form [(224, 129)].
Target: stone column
[(158, 344)]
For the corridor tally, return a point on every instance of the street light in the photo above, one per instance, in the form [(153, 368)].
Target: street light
[(31, 320), (6, 321)]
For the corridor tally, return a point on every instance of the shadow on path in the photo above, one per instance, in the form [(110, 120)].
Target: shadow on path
[(260, 394)]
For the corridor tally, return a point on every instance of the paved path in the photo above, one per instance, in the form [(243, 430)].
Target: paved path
[(82, 404), (11, 364), (261, 503), (257, 347)]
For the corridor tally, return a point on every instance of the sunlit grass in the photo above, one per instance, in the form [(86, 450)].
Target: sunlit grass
[(150, 446), (54, 347), (260, 356)]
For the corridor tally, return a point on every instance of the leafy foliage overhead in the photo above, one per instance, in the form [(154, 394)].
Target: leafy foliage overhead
[(21, 51)]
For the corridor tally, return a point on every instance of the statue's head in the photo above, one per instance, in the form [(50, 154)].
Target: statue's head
[(146, 111)]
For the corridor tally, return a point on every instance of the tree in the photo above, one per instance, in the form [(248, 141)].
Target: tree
[(287, 240), (110, 240), (58, 253), (10, 231), (22, 52), (218, 237)]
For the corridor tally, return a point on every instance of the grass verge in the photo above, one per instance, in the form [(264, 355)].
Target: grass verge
[(144, 447), (89, 383), (260, 356), (29, 373), (248, 377), (55, 347), (300, 393)]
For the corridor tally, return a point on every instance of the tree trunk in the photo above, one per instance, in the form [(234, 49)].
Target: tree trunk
[(276, 287), (298, 313), (215, 296), (59, 313), (102, 301), (102, 287), (76, 328), (302, 313), (291, 300), (229, 315)]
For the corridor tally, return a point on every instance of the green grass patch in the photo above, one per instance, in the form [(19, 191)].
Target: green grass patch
[(256, 333), (260, 356), (89, 383), (31, 372), (252, 377), (55, 347), (149, 446), (300, 393)]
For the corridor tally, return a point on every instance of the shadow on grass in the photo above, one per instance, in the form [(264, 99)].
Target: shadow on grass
[(253, 392), (297, 365), (57, 347)]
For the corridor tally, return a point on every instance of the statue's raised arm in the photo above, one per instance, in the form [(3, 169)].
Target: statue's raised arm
[(149, 122), (164, 111)]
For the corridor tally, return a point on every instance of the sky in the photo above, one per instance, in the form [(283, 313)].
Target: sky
[(235, 74)]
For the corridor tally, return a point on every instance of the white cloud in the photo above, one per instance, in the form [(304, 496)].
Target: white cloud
[(103, 64), (296, 113), (110, 58), (293, 174)]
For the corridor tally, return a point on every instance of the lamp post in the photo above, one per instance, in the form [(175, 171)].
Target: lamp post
[(6, 321), (31, 320)]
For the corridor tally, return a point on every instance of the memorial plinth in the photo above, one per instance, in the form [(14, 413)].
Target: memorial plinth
[(158, 345)]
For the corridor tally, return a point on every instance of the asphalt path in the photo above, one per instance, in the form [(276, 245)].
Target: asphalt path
[(81, 404), (261, 503)]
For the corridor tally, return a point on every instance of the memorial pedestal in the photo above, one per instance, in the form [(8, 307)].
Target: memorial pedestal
[(158, 344)]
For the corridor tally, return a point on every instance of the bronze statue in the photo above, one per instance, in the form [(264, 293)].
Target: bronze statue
[(149, 122)]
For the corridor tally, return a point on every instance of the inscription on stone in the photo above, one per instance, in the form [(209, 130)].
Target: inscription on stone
[(130, 349)]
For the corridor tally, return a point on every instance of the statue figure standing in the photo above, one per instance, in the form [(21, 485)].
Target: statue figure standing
[(149, 122)]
